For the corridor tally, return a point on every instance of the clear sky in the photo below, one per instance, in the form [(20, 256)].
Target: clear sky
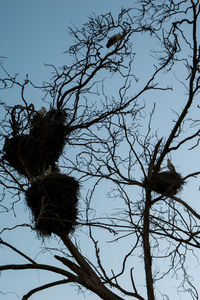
[(33, 33)]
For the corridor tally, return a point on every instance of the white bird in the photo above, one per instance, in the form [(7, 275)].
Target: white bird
[(114, 39), (170, 166), (42, 111)]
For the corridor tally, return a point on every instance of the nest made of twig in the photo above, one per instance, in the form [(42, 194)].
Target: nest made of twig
[(167, 183), (20, 151), (51, 121), (26, 155), (31, 154), (53, 203), (49, 132)]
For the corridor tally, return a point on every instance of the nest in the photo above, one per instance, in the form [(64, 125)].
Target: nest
[(53, 203), (167, 183), (31, 154), (21, 153), (49, 132)]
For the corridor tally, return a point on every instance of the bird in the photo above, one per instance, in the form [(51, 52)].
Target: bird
[(170, 166), (114, 39), (42, 111)]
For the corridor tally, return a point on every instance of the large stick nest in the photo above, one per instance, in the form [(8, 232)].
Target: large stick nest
[(53, 203), (49, 133), (167, 183), (33, 153), (21, 152)]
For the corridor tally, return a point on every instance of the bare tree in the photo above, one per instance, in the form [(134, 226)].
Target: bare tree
[(115, 148)]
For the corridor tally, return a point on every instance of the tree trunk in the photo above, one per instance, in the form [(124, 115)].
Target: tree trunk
[(87, 276), (147, 250)]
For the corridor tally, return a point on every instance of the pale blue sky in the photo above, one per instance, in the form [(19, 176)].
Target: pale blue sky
[(33, 33)]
